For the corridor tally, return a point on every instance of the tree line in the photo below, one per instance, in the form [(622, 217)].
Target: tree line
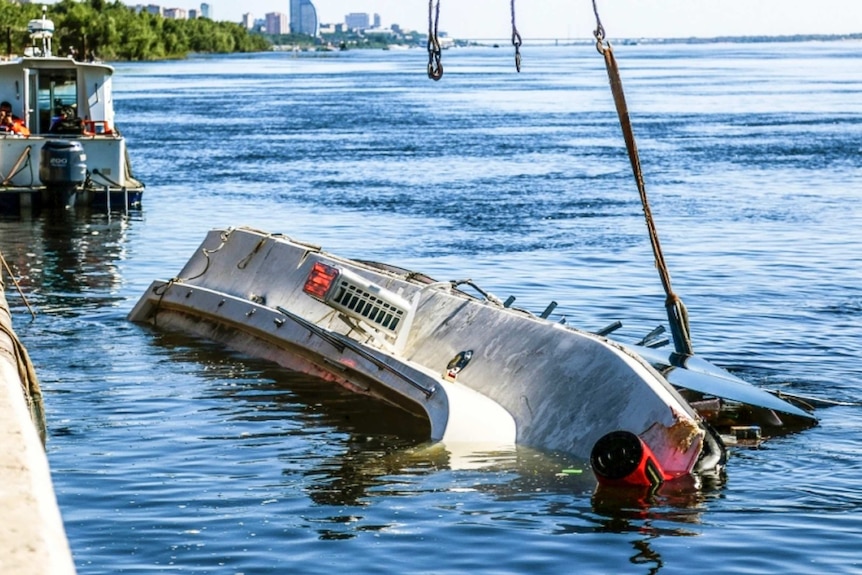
[(114, 31)]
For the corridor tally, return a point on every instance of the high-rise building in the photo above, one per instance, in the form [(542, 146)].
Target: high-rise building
[(206, 11), (176, 14), (303, 18), (357, 21), (248, 21), (276, 23)]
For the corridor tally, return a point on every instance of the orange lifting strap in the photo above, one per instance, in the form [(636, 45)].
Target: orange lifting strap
[(676, 311)]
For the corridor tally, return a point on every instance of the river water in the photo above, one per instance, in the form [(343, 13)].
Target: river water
[(171, 454)]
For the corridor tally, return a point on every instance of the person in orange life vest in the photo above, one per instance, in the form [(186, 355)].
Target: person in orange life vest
[(6, 123), (10, 123)]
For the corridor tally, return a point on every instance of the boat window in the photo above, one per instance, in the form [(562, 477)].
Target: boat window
[(57, 97)]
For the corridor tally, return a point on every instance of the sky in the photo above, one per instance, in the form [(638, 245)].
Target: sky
[(541, 19)]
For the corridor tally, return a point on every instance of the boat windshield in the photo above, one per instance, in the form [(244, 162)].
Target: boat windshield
[(57, 98)]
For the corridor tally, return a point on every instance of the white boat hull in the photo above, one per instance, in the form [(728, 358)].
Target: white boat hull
[(107, 166)]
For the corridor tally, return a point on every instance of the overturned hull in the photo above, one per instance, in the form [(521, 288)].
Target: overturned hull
[(474, 369)]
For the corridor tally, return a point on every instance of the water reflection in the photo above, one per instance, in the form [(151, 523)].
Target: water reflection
[(353, 456), (646, 555), (61, 254)]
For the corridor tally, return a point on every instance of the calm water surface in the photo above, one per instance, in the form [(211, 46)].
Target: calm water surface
[(171, 454)]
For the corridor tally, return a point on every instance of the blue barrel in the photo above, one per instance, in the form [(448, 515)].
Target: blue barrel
[(62, 164)]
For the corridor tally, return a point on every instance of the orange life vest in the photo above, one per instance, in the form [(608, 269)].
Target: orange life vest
[(16, 126), (19, 127)]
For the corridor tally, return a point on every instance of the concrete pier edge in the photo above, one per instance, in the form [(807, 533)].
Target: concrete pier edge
[(32, 537)]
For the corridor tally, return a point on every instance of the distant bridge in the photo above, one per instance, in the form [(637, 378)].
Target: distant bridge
[(527, 41)]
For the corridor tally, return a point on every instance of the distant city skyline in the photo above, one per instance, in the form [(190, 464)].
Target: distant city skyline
[(574, 18)]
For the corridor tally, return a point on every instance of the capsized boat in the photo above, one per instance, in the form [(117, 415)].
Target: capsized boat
[(474, 369), (64, 147)]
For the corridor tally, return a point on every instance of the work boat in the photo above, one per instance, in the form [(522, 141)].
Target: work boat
[(64, 147), (472, 368)]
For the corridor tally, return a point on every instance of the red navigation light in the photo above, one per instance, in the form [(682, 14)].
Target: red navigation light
[(319, 280)]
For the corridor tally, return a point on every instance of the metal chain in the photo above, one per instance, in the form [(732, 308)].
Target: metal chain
[(435, 66), (516, 40)]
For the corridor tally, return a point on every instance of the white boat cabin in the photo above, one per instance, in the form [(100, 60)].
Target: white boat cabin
[(57, 95)]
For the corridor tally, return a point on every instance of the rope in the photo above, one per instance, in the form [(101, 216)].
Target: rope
[(224, 238), (29, 382), (17, 168), (26, 371), (96, 172), (677, 313), (17, 286), (241, 264), (488, 296), (161, 290)]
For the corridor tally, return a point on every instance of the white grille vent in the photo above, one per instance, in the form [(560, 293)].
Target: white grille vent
[(358, 298), (372, 308)]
